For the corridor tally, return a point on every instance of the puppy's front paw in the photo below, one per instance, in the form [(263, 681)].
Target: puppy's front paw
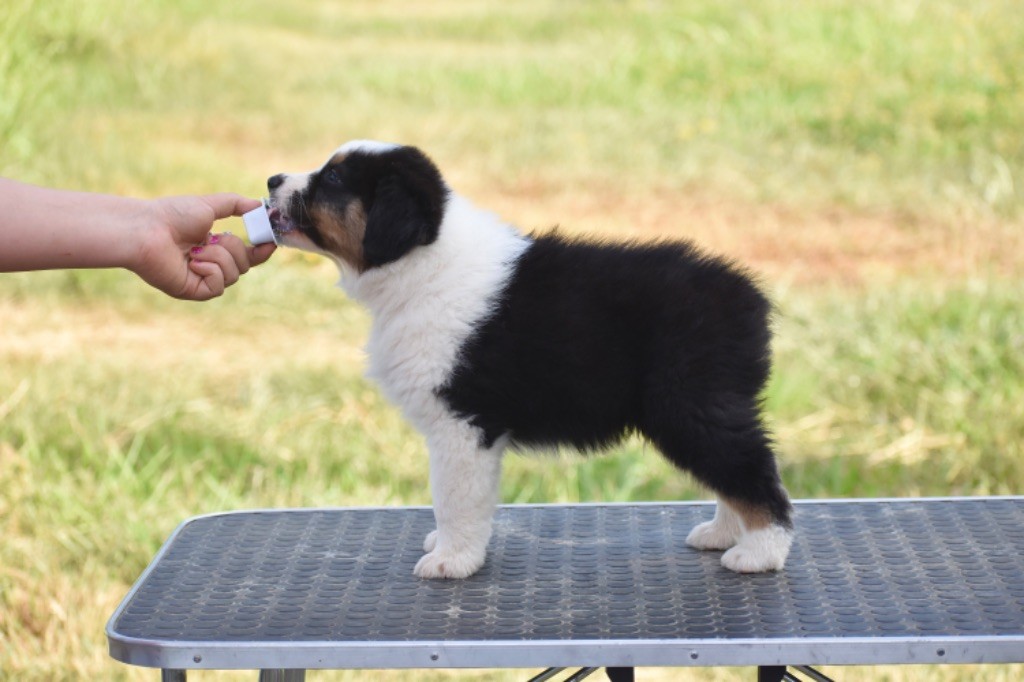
[(447, 564), (759, 551)]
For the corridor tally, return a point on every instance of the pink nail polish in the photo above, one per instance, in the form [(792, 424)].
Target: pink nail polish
[(214, 239), (196, 250)]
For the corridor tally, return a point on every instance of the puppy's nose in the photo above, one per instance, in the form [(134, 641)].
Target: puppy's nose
[(275, 181)]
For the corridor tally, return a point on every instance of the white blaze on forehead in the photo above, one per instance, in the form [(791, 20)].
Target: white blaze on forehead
[(368, 146)]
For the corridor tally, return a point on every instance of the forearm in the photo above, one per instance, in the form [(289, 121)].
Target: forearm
[(165, 241), (42, 229)]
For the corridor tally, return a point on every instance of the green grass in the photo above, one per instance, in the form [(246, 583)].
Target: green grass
[(910, 392), (916, 107), (866, 157)]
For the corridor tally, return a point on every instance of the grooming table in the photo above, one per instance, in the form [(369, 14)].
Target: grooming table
[(867, 582)]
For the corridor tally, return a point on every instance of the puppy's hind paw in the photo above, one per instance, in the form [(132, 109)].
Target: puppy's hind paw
[(712, 535), (430, 542), (441, 564)]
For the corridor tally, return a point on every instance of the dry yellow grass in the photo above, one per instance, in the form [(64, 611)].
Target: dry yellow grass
[(784, 244)]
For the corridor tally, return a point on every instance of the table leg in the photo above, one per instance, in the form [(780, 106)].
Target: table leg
[(771, 673), (173, 676)]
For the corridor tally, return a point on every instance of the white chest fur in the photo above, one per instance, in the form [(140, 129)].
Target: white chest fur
[(426, 304)]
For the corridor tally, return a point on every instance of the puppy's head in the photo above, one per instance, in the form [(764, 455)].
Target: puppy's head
[(369, 205)]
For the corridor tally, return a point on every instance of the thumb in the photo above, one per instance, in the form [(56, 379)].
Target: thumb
[(225, 204), (260, 254)]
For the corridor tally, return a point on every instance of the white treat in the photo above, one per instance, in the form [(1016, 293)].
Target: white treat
[(257, 225)]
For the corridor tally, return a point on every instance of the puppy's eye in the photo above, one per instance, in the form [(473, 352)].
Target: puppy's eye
[(331, 177)]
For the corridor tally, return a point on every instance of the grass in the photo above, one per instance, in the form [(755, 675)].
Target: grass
[(912, 107), (864, 157)]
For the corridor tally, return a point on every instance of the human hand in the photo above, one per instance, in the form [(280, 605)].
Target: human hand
[(178, 255)]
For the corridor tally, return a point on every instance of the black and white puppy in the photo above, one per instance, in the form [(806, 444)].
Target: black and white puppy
[(489, 339)]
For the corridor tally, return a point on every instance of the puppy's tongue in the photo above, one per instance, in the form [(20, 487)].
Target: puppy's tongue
[(279, 222)]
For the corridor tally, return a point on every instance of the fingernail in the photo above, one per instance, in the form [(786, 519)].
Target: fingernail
[(196, 250), (214, 239)]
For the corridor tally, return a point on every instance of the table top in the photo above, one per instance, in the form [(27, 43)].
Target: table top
[(867, 582)]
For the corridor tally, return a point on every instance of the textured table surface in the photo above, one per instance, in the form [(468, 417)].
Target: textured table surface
[(887, 581)]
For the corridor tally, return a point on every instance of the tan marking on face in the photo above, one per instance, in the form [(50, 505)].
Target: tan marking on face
[(343, 235), (752, 517), (336, 159)]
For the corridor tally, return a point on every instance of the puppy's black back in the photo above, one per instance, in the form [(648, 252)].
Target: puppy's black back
[(584, 331)]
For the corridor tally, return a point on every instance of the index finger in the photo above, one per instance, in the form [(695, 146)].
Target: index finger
[(227, 204)]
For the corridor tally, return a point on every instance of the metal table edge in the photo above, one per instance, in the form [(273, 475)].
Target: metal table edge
[(555, 653)]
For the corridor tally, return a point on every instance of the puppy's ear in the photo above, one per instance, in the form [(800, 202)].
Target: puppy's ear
[(394, 225), (408, 205)]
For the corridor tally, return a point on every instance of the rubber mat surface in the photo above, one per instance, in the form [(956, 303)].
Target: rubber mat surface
[(876, 569)]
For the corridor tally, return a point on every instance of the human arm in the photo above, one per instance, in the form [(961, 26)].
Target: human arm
[(43, 229)]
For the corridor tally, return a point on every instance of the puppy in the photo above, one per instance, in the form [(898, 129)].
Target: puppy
[(489, 339)]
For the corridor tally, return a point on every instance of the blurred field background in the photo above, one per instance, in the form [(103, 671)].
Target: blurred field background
[(865, 158)]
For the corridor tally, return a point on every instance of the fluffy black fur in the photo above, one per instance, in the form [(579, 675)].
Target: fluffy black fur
[(406, 196), (592, 341)]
